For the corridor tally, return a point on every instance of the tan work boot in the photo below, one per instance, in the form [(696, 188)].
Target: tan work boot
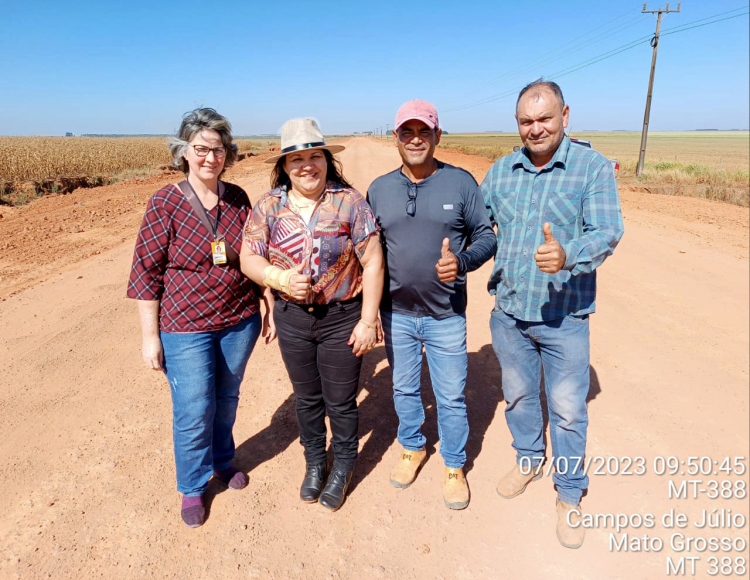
[(569, 536), (455, 489), (514, 482), (405, 472)]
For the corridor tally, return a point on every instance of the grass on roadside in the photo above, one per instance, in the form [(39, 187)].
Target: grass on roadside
[(694, 180), (489, 151), (253, 145), (710, 165)]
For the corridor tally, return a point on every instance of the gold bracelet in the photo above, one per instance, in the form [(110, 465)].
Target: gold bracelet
[(370, 326)]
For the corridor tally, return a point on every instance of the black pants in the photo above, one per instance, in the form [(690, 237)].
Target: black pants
[(325, 375)]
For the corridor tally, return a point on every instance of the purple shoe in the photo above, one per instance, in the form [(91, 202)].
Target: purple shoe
[(232, 478), (193, 512)]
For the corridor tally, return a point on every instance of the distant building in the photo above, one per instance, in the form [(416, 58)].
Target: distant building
[(68, 134)]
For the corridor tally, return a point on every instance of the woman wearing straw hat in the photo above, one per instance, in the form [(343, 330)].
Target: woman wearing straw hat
[(313, 240)]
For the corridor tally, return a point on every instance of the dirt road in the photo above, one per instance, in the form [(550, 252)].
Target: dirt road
[(85, 437)]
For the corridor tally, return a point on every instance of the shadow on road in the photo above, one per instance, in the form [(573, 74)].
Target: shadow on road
[(266, 444), (594, 386), (274, 439), (378, 421)]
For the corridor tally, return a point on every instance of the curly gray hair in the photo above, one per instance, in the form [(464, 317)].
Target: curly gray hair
[(193, 123)]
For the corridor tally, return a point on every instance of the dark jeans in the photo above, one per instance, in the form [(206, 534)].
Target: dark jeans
[(325, 376)]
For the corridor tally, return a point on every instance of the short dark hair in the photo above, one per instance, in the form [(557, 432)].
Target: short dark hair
[(334, 172), (542, 84), (193, 122)]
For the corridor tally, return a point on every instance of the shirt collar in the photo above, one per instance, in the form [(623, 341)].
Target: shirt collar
[(331, 187), (559, 158), (440, 165)]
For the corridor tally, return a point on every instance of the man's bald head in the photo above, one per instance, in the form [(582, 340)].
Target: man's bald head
[(538, 89)]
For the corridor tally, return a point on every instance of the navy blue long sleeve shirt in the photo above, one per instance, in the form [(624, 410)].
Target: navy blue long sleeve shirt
[(448, 204)]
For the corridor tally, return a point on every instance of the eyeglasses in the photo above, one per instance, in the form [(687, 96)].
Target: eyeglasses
[(411, 203), (202, 151)]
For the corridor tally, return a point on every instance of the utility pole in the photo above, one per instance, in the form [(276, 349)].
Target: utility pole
[(647, 114), (386, 130)]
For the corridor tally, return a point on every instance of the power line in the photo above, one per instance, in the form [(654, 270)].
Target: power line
[(561, 73), (673, 31), (605, 56), (569, 47), (655, 45), (546, 59), (647, 113), (635, 43), (599, 58), (680, 26)]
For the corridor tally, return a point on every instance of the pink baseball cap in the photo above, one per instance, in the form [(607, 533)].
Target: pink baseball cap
[(420, 110)]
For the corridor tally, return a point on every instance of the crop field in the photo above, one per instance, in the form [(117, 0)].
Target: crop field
[(38, 158), (97, 159), (709, 164)]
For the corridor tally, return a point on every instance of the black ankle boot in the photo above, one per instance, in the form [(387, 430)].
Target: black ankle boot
[(313, 482), (335, 490)]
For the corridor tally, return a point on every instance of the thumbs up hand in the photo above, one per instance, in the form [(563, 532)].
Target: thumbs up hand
[(550, 256), (300, 283), (447, 265)]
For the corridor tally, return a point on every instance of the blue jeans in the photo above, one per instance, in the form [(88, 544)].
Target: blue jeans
[(205, 370), (444, 344), (561, 348)]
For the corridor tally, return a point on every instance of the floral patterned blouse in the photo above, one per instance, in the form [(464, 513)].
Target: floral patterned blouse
[(327, 248)]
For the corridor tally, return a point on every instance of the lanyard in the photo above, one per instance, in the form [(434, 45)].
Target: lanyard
[(215, 226)]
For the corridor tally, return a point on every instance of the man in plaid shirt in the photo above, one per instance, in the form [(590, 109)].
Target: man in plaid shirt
[(558, 217)]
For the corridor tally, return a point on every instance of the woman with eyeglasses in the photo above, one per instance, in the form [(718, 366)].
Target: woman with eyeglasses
[(314, 241), (200, 316)]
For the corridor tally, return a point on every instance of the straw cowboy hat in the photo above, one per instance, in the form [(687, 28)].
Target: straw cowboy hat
[(299, 134)]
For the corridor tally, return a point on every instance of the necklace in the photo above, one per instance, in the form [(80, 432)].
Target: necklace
[(302, 205)]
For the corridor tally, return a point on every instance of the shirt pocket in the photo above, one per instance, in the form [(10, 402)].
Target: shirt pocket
[(563, 208), (505, 207), (333, 227)]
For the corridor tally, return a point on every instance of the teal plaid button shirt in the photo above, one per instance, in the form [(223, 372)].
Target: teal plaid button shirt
[(576, 193)]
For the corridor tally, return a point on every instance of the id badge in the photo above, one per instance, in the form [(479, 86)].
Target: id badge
[(219, 252)]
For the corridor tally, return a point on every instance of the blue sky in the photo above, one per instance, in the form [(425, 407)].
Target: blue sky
[(136, 67)]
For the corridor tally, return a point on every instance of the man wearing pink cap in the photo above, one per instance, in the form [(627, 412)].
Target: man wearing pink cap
[(434, 230)]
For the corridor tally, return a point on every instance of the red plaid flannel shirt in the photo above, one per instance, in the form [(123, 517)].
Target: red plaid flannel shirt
[(172, 263)]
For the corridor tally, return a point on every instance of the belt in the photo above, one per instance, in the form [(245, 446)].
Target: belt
[(320, 307)]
